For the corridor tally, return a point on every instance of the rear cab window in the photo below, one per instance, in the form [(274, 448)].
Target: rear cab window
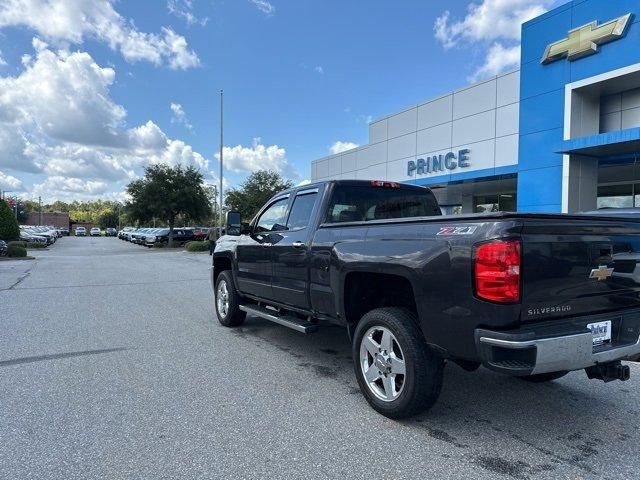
[(361, 203)]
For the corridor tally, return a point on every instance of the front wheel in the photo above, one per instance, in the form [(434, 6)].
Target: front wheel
[(226, 300), (397, 373)]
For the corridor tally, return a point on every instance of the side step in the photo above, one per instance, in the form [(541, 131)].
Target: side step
[(290, 321)]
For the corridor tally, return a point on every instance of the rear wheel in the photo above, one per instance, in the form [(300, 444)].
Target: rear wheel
[(227, 301), (543, 377), (397, 373)]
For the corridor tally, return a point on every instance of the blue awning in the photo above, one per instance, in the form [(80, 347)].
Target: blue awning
[(621, 142)]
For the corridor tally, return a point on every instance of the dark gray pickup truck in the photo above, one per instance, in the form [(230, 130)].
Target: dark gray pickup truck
[(529, 295)]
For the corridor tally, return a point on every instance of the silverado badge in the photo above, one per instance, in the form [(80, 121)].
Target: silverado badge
[(601, 273)]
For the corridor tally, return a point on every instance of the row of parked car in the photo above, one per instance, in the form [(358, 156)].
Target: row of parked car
[(95, 232), (150, 237), (47, 235)]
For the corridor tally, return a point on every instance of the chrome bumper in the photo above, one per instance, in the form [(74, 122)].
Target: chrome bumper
[(564, 353)]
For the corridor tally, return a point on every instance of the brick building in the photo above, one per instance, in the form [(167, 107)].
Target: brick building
[(55, 219)]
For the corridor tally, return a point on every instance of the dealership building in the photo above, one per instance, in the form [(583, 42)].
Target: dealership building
[(560, 134)]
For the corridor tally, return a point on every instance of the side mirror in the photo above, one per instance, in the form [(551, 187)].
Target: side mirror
[(234, 224)]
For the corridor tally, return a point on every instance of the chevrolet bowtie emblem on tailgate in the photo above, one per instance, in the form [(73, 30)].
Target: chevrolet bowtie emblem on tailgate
[(601, 273), (583, 41)]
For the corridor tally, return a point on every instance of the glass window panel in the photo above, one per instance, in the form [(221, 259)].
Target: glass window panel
[(615, 196), (271, 219), (507, 202), (301, 211), (361, 203), (485, 204)]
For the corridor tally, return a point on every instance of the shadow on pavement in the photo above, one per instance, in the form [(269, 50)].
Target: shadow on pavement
[(567, 422)]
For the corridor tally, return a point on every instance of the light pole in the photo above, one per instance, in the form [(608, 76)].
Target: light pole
[(221, 149)]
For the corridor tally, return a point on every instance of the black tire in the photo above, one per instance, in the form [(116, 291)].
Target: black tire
[(234, 316), (422, 381), (543, 377)]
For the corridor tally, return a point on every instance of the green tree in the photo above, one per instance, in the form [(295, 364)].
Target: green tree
[(108, 218), (253, 193), (56, 206), (168, 192), (22, 212), (9, 229)]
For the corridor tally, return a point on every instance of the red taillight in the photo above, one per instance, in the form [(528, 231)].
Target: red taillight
[(383, 184), (497, 271)]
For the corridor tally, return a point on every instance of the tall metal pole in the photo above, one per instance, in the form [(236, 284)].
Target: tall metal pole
[(221, 149), (39, 210)]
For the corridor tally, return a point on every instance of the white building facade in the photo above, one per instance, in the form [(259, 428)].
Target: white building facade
[(561, 134), (464, 145)]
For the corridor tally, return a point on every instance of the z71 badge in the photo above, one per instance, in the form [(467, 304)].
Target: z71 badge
[(457, 230)]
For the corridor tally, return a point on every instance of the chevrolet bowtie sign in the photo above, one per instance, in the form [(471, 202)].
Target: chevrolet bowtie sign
[(583, 41)]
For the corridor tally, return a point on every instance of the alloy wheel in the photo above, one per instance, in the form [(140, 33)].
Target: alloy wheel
[(382, 363), (222, 298)]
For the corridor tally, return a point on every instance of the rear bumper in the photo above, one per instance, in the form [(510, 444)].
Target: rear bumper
[(563, 346)]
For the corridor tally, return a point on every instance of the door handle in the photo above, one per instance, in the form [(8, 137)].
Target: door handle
[(298, 244)]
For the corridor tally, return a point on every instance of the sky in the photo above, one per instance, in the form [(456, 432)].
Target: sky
[(92, 91)]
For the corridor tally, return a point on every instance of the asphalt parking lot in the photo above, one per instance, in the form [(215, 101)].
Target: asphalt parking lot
[(112, 366)]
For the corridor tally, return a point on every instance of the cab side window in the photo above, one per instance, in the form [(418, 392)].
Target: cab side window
[(301, 211), (272, 218)]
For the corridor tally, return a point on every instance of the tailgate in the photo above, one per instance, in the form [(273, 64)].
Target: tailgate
[(578, 265)]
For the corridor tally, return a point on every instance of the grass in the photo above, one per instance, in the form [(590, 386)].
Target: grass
[(196, 246)]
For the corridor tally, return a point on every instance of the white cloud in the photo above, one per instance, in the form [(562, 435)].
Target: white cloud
[(493, 23), (65, 95), (9, 183), (489, 20), (147, 137), (339, 147), (498, 59), (86, 162), (3, 62), (319, 69), (57, 119), (179, 153), (264, 6), (74, 20), (180, 57), (184, 9), (257, 157), (179, 116), (66, 185)]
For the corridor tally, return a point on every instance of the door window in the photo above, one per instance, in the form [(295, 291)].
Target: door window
[(272, 218), (301, 211)]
